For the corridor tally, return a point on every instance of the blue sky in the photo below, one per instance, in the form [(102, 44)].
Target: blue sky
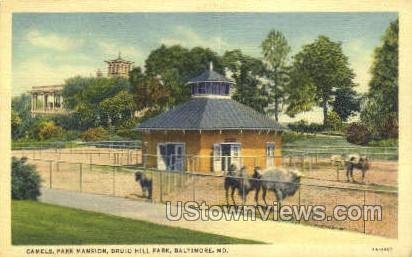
[(49, 48)]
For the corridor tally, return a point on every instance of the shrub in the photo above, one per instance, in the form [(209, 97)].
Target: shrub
[(303, 127), (95, 134), (49, 129), (25, 182), (125, 129), (70, 135), (358, 133)]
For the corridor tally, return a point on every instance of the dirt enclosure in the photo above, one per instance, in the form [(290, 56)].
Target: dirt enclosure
[(320, 185)]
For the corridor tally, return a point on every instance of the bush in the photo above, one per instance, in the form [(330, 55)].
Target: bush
[(95, 134), (25, 182), (70, 135), (125, 130), (303, 127), (358, 133), (49, 129)]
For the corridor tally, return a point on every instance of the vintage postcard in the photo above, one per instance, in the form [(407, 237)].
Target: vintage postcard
[(205, 128)]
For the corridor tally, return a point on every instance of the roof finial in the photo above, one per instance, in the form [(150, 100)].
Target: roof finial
[(210, 65), (120, 55)]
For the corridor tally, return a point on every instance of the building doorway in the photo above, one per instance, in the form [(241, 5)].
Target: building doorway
[(224, 155), (170, 156)]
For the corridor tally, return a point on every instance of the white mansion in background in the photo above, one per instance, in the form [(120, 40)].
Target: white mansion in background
[(49, 100)]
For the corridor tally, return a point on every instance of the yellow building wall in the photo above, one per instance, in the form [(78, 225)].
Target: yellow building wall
[(199, 147), (151, 139), (252, 147)]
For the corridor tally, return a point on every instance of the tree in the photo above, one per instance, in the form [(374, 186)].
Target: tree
[(319, 69), (346, 102), (275, 50), (175, 65), (380, 108), (15, 124), (246, 71), (84, 95), (21, 118), (118, 108), (150, 95)]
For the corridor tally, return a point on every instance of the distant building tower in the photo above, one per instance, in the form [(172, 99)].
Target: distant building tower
[(118, 67)]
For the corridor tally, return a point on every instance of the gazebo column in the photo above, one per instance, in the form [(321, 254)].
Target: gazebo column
[(35, 101), (45, 101), (54, 99), (32, 102), (61, 101)]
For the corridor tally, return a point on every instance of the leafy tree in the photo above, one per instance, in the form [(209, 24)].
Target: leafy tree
[(150, 94), (15, 124), (275, 54), (25, 181), (175, 65), (22, 105), (247, 71), (319, 69), (380, 107), (21, 118), (346, 103), (84, 95), (118, 108), (334, 121)]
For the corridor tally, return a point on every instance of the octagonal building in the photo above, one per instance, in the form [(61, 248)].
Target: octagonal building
[(211, 131)]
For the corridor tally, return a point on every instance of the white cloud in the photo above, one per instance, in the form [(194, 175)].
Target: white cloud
[(52, 41), (186, 37), (35, 72), (112, 48), (360, 58)]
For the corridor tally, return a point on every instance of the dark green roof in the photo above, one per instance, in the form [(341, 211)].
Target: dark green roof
[(209, 76), (210, 114)]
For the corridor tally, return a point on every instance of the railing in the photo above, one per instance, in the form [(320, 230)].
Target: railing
[(119, 181), (110, 171)]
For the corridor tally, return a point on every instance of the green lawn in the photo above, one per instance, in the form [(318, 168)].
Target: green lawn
[(35, 223)]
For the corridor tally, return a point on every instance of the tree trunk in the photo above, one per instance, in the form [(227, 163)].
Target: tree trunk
[(325, 112), (276, 109)]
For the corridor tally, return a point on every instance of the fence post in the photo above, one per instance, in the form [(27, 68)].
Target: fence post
[(114, 180), (337, 172), (299, 199), (81, 178), (302, 159), (91, 160), (161, 187), (243, 192), (50, 173), (364, 203), (193, 188)]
